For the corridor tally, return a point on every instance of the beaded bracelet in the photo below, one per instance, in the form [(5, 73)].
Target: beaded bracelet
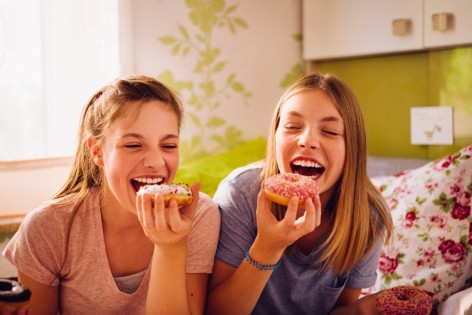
[(260, 266)]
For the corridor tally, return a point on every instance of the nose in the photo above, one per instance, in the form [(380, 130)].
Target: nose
[(154, 159), (309, 139)]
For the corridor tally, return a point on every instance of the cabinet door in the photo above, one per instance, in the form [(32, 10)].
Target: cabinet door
[(348, 28), (453, 22)]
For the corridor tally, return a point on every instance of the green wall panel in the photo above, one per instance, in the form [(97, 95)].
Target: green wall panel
[(388, 86), (451, 85)]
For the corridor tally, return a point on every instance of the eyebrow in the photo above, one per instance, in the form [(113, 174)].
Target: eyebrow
[(328, 118), (139, 136)]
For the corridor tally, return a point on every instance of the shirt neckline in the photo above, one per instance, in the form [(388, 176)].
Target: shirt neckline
[(104, 264)]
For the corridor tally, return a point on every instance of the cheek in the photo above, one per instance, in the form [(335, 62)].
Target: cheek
[(119, 161), (339, 159), (281, 154), (172, 162)]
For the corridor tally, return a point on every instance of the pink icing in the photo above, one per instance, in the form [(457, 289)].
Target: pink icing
[(290, 185)]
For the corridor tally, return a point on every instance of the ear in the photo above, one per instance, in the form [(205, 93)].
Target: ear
[(95, 151)]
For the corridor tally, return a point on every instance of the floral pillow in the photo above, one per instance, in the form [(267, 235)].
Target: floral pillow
[(432, 239)]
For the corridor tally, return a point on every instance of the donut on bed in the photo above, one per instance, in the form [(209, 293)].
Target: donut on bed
[(404, 300)]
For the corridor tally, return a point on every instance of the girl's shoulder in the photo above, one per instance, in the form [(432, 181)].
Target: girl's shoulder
[(55, 213), (244, 175), (243, 181), (206, 207), (240, 187)]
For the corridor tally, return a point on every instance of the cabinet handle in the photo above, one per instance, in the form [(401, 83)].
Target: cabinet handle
[(401, 27), (442, 21)]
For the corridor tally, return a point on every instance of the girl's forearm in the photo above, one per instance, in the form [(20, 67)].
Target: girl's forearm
[(239, 293), (167, 293)]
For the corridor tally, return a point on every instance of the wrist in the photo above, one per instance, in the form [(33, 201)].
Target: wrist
[(171, 250), (264, 254), (259, 265)]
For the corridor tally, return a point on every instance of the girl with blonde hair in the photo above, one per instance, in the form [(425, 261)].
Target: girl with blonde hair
[(314, 259)]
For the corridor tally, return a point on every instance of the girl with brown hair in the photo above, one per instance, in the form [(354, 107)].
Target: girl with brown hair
[(98, 248)]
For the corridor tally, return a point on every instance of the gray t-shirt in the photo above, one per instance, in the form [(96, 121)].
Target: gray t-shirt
[(298, 286)]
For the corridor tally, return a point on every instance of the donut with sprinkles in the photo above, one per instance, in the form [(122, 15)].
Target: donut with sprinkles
[(180, 192), (404, 300), (280, 188)]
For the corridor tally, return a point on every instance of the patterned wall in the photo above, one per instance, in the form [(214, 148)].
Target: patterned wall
[(228, 60)]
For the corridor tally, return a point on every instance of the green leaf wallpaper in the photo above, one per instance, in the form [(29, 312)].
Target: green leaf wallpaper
[(297, 70), (196, 43), (214, 80)]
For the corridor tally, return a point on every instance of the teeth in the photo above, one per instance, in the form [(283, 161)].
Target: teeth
[(306, 163), (148, 180)]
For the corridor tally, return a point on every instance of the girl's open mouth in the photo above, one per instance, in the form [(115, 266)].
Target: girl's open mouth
[(307, 168), (138, 182)]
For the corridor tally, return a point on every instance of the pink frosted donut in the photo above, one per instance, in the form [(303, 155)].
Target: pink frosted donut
[(281, 187), (404, 300)]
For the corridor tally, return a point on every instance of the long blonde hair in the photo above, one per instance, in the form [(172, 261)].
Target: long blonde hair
[(361, 216), (122, 97)]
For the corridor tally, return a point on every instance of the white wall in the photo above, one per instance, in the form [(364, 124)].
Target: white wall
[(54, 55), (26, 184)]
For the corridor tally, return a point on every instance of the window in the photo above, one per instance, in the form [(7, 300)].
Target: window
[(54, 55)]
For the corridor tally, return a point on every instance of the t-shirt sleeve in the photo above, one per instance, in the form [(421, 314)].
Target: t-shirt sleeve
[(37, 247), (203, 238), (364, 274), (236, 197)]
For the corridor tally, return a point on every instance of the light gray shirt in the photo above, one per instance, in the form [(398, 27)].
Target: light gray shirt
[(298, 286)]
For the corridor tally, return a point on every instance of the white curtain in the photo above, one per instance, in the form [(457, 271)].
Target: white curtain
[(54, 55)]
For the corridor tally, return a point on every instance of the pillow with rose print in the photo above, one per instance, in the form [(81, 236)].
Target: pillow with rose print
[(432, 240)]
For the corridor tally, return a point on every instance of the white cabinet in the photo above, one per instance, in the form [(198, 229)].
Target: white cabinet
[(349, 28), (455, 16)]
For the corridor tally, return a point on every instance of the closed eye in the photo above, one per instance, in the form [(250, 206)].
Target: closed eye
[(133, 146), (291, 127), (170, 146), (332, 133)]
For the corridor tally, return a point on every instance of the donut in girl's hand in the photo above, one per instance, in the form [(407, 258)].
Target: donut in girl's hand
[(13, 294), (404, 300), (280, 188), (179, 192)]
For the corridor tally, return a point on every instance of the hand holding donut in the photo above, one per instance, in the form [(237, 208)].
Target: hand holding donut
[(278, 235), (166, 222)]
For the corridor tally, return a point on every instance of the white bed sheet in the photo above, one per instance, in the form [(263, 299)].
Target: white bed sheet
[(457, 304)]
